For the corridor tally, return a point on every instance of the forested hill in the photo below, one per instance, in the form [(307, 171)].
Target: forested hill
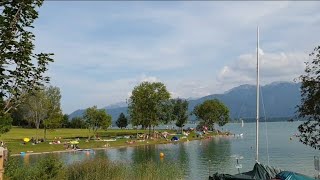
[(280, 100)]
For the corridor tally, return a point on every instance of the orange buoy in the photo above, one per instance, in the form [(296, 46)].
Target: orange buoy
[(161, 154)]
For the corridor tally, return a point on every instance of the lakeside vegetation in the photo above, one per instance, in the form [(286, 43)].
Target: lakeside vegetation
[(49, 167), (16, 145)]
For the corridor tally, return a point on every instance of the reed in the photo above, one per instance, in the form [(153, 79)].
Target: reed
[(49, 167)]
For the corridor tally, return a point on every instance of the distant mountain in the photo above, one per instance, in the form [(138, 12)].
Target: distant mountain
[(113, 111), (116, 105), (279, 100)]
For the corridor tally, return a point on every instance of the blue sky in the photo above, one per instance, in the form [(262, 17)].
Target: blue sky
[(103, 49)]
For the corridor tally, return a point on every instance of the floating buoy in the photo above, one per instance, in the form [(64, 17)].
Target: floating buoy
[(161, 155)]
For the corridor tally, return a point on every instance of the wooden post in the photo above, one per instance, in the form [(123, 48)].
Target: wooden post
[(3, 158)]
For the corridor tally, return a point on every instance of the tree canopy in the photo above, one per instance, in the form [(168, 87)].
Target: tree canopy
[(96, 119), (122, 121), (146, 102), (211, 112), (78, 122), (54, 113), (42, 108), (180, 112), (5, 119), (21, 69), (310, 101), (36, 108)]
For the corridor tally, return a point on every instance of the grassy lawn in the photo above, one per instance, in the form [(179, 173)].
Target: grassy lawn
[(16, 134), (13, 139)]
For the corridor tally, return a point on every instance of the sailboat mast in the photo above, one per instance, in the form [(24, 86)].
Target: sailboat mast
[(257, 117)]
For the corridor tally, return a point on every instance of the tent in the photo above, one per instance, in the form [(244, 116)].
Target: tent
[(174, 138), (259, 172), (288, 175)]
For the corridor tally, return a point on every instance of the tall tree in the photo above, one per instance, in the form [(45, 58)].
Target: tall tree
[(310, 102), (36, 106), (180, 112), (165, 111), (54, 112), (42, 108), (5, 119), (122, 121), (21, 69), (65, 121), (78, 122), (18, 117), (96, 119), (211, 112), (144, 103)]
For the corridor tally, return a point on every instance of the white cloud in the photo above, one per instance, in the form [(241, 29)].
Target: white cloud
[(145, 78), (273, 67), (104, 49)]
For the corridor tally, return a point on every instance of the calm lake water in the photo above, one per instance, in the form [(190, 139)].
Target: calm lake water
[(199, 158)]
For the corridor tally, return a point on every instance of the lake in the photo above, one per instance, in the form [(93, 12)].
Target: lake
[(201, 157)]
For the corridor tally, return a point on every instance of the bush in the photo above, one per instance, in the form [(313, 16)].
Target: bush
[(46, 168)]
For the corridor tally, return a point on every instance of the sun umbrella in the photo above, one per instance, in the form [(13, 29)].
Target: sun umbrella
[(26, 139), (74, 142)]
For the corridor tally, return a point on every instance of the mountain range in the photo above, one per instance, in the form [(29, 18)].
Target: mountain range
[(278, 99)]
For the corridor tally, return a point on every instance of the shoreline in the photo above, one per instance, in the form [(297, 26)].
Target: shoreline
[(120, 146)]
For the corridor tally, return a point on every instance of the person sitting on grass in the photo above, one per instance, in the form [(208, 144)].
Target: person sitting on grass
[(130, 142)]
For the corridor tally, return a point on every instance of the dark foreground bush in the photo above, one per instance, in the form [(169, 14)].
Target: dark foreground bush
[(46, 168), (50, 167)]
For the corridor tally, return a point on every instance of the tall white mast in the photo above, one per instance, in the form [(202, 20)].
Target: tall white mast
[(258, 86)]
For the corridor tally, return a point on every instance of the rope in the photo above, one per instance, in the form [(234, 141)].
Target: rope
[(266, 125)]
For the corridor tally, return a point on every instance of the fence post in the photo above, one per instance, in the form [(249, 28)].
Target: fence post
[(3, 158)]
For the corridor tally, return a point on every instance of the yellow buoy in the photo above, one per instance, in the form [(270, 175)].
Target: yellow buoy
[(161, 155)]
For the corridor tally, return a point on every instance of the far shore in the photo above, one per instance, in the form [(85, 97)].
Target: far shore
[(16, 148)]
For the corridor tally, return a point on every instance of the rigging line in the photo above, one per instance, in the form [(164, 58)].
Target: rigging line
[(266, 125)]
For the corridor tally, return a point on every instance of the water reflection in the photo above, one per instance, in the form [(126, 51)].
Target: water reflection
[(26, 159), (145, 153), (217, 153), (199, 158)]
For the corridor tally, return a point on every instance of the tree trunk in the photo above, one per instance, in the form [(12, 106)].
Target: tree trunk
[(137, 132), (37, 123), (152, 130), (45, 133)]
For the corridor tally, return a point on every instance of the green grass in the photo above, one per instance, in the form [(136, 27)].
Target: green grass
[(13, 139), (17, 133)]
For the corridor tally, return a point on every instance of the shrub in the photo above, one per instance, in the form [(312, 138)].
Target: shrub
[(46, 168)]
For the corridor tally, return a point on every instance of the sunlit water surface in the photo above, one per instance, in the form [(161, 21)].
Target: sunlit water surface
[(199, 158)]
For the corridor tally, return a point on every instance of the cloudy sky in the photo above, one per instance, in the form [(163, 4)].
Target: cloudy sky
[(104, 49)]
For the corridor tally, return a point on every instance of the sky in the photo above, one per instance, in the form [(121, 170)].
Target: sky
[(103, 49)]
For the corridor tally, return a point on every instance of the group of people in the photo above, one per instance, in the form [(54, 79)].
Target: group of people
[(70, 146), (56, 141)]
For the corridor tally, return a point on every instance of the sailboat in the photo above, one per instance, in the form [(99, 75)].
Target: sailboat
[(242, 123), (260, 171)]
